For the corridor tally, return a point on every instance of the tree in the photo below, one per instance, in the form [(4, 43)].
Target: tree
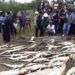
[(35, 4)]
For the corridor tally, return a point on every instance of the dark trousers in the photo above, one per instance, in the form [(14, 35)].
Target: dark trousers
[(60, 29), (37, 29), (56, 28), (72, 29), (6, 33), (0, 28)]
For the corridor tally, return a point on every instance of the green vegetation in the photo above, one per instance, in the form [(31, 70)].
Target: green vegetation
[(14, 6)]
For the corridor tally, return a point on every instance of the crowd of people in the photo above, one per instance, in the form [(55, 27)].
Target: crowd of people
[(54, 21), (46, 20), (9, 21), (6, 25)]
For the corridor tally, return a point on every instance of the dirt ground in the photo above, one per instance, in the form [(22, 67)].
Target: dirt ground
[(34, 54)]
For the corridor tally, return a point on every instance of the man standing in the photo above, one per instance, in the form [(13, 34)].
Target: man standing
[(38, 26), (67, 23), (72, 28), (56, 21), (45, 23), (6, 28)]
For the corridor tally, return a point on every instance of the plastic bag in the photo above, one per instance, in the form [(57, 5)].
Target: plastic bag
[(51, 28)]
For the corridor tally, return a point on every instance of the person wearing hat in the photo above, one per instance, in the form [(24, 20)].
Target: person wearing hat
[(38, 26)]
